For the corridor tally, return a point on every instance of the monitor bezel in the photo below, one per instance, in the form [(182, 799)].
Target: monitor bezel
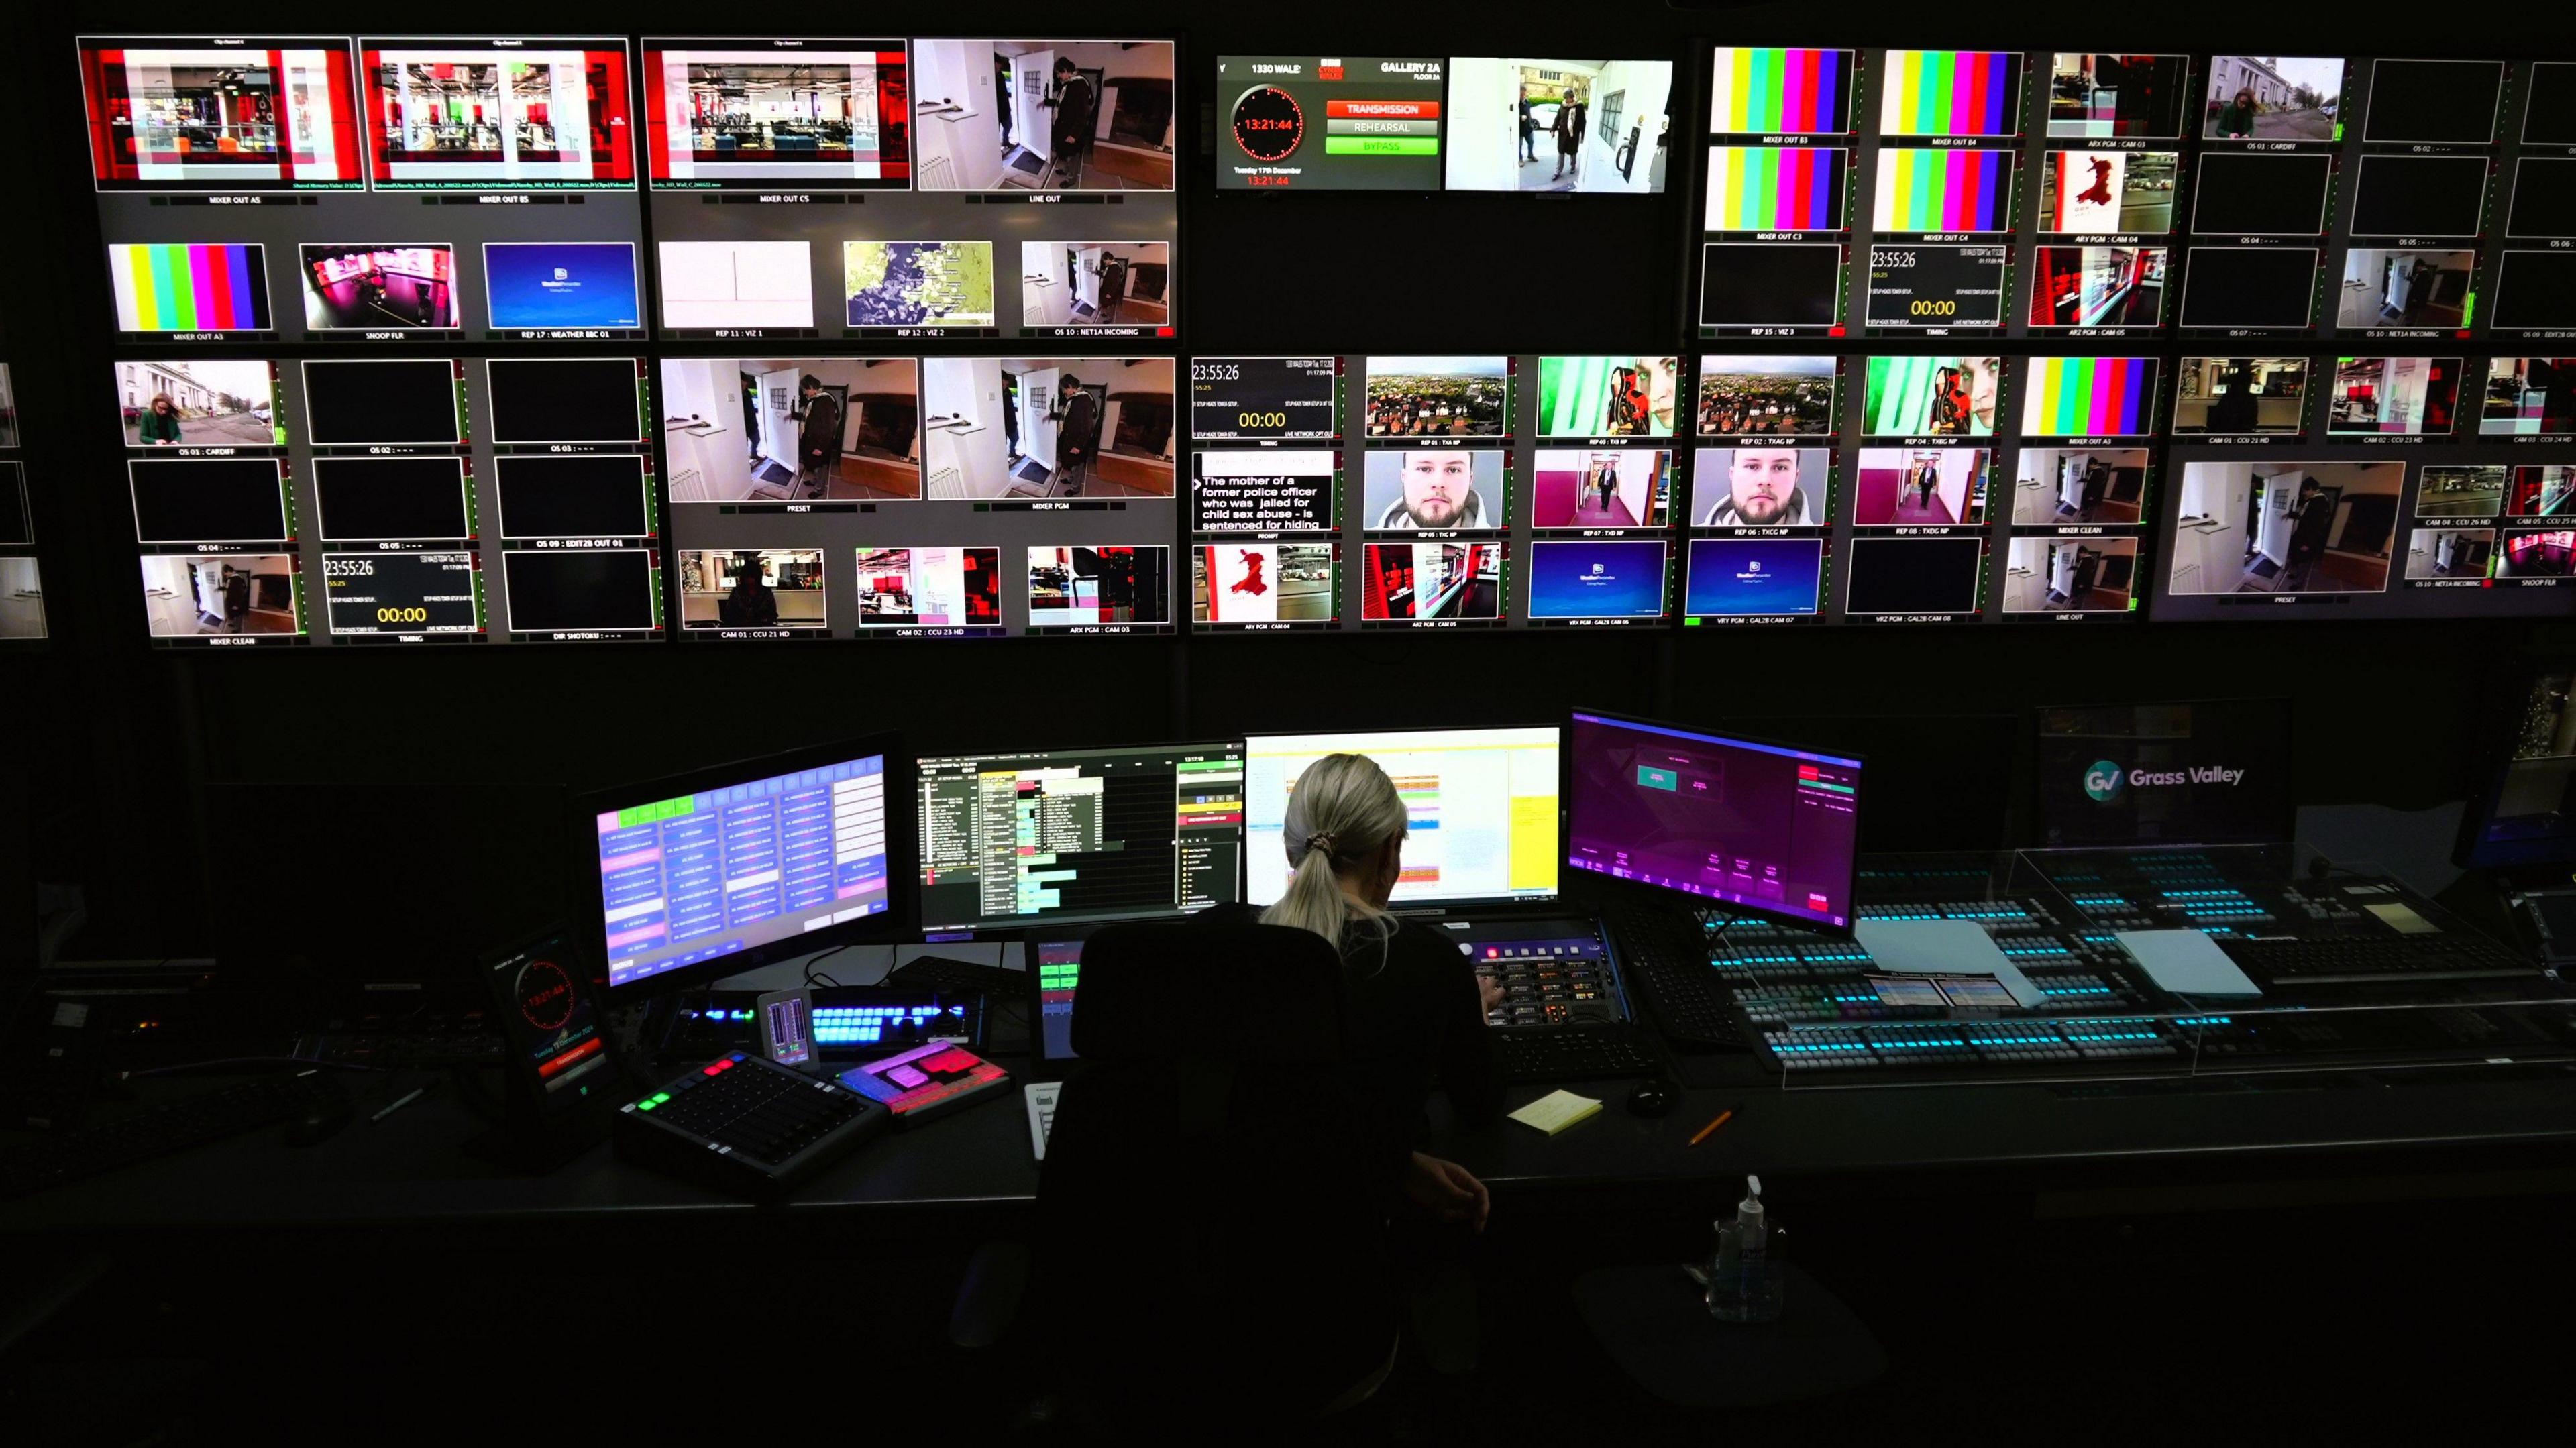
[(582, 839), (1418, 909), (1618, 887)]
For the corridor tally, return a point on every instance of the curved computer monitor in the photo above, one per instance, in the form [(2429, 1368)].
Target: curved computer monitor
[(1741, 825), (710, 873)]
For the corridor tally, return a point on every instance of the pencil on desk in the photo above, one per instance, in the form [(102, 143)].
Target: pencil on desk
[(1705, 1132)]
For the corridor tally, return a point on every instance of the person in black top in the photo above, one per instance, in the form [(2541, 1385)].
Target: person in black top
[(1077, 112), (1416, 1007)]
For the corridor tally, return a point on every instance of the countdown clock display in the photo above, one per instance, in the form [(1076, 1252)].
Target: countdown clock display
[(544, 993), (1268, 124)]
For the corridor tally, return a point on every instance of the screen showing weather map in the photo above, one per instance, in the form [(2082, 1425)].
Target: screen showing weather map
[(919, 283)]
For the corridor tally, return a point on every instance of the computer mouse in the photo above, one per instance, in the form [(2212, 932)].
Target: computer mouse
[(320, 1122), (1653, 1096)]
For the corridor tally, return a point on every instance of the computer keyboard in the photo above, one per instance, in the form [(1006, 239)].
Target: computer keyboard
[(1666, 964), (161, 1130), (742, 1124), (1576, 1053), (940, 973), (2448, 956)]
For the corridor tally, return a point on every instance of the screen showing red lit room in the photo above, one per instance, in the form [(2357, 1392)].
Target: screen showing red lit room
[(1926, 487), (1601, 488)]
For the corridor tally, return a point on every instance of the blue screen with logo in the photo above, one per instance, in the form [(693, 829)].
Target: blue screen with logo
[(1605, 579), (1749, 577), (2205, 773), (561, 284)]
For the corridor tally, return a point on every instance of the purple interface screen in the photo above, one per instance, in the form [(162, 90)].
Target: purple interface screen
[(1728, 819)]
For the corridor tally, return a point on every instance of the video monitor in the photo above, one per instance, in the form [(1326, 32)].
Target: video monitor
[(2534, 290), (8, 409), (1761, 487), (190, 291), (1069, 287), (211, 596), (2420, 196), (793, 430), (752, 588), (2110, 287), (1777, 91), (930, 588), (1931, 396), (1918, 284), (2528, 558), (1958, 191), (554, 288), (1252, 585), (1905, 579), (2241, 396), (1435, 490), (574, 593), (2261, 193), (200, 402), (1268, 491), (2273, 98), (392, 499), (1775, 289), (1767, 396), (465, 114), (2193, 773), (2107, 193), (1044, 115), (905, 288), (210, 114), (807, 115), (2544, 198), (1437, 397), (2079, 487), (2434, 102), (382, 401), (2454, 556), (1099, 589), (1263, 399), (2547, 490), (2253, 288), (2107, 97), (410, 594), (1752, 579), (737, 288), (22, 598), (1037, 428), (2393, 396), (1921, 487), (2529, 397), (2406, 288), (600, 495), (2090, 397), (2471, 491), (1598, 580), (1955, 93), (2049, 577), (1607, 396), (2283, 528), (1015, 838), (2523, 812), (544, 400), (1382, 117), (387, 287), (1598, 488), (1407, 584), (723, 869), (209, 500), (17, 529), (2549, 117), (1586, 127), (1481, 803), (1776, 188)]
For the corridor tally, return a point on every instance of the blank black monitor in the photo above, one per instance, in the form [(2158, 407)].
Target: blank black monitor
[(2250, 193), (2436, 101), (573, 496), (374, 499), (2249, 286), (2525, 810), (580, 590), (1915, 575), (1754, 284), (2420, 196), (1039, 838), (565, 400), (2207, 772), (359, 403), (2535, 290), (15, 528), (2544, 197), (2549, 118), (1754, 827), (208, 500)]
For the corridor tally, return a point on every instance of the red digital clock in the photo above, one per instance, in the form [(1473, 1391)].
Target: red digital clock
[(1268, 124)]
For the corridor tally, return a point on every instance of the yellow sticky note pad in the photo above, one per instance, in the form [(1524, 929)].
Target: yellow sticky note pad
[(2403, 920), (1556, 1111)]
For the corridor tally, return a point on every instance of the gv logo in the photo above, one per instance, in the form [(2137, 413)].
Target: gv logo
[(2102, 781)]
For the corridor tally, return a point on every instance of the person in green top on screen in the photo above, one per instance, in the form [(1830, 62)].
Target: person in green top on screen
[(2237, 118), (159, 425)]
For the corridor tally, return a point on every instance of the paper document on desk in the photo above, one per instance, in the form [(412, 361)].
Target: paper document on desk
[(1944, 947), (1040, 1096), (1556, 1111), (2186, 962)]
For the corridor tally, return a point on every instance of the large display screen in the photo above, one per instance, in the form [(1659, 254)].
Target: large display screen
[(1481, 806)]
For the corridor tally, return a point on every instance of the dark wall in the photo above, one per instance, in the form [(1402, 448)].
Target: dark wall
[(119, 741)]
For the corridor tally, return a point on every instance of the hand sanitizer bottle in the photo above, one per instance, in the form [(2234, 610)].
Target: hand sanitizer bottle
[(1743, 1282)]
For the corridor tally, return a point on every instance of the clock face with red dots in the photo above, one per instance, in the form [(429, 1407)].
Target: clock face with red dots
[(1268, 123), (545, 994)]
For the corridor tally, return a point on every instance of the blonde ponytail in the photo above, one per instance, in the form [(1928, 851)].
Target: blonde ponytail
[(1341, 811)]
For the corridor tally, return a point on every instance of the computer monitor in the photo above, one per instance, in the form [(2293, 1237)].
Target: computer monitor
[(2525, 812), (1480, 805), (1023, 839), (2200, 772), (1754, 827), (724, 869)]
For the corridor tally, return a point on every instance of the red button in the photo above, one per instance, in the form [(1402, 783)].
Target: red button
[(711, 1070), (1383, 110)]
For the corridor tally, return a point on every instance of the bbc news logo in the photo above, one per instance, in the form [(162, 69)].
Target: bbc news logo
[(2102, 781), (1328, 68)]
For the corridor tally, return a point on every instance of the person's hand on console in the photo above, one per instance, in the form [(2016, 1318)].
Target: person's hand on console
[(1446, 1190), (1490, 992)]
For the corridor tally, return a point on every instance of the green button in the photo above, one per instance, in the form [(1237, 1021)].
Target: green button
[(1381, 145), (1658, 778), (647, 1104)]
